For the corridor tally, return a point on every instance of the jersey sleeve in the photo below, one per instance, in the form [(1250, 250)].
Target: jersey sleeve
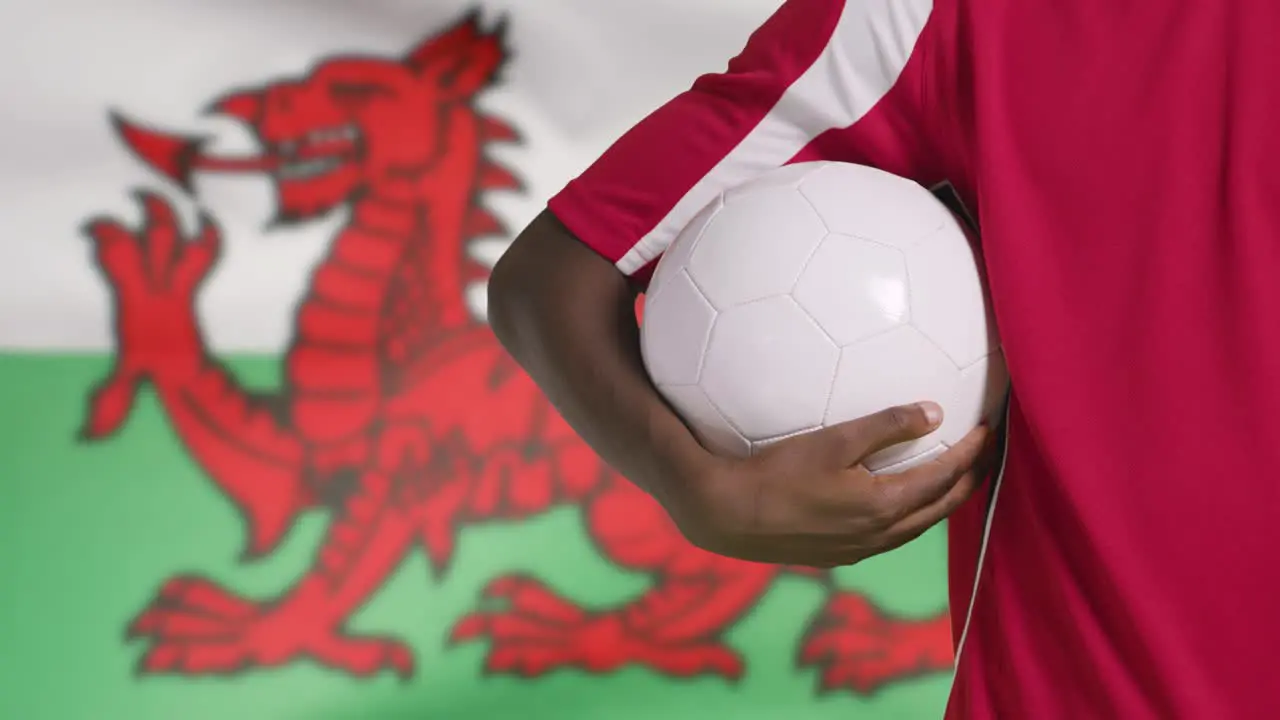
[(820, 79)]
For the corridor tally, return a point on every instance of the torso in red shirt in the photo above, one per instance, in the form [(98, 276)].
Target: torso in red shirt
[(1120, 158)]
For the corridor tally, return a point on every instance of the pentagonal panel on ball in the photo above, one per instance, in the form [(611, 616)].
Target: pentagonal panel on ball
[(705, 421), (785, 177), (751, 250), (675, 258), (674, 332), (854, 289), (768, 368), (948, 299), (873, 204), (899, 367)]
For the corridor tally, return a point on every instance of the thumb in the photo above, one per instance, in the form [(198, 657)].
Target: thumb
[(847, 443)]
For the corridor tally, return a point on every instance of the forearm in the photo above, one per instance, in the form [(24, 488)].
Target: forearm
[(568, 317)]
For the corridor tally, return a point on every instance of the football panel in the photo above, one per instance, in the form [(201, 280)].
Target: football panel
[(674, 332), (980, 396), (768, 368), (786, 177), (874, 205), (899, 367), (676, 257), (854, 289), (948, 299), (880, 468), (758, 445), (706, 423), (754, 250)]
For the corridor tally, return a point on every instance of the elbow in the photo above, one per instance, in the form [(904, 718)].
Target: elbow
[(507, 293), (546, 278), (518, 285)]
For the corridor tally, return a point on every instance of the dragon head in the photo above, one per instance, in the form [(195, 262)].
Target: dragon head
[(348, 127)]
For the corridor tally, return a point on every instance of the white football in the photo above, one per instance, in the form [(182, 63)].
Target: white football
[(817, 293)]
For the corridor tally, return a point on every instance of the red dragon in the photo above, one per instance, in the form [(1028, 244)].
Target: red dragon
[(399, 413)]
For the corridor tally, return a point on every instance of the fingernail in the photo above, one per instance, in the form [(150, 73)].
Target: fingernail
[(932, 412)]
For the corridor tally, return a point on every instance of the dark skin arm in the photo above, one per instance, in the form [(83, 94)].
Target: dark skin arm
[(568, 317)]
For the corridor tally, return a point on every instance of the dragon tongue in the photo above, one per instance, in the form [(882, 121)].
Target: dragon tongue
[(177, 156), (258, 163), (171, 155)]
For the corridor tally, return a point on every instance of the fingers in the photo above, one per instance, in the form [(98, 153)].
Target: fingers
[(939, 510), (156, 256), (823, 518), (849, 442), (926, 494), (160, 231), (198, 255), (116, 252), (924, 484), (909, 504), (851, 501)]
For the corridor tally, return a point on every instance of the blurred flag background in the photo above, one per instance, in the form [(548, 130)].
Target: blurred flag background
[(259, 456)]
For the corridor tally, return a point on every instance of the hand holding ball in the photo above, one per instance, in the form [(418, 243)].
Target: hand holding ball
[(816, 294)]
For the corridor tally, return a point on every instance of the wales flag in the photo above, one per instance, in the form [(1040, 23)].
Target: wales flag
[(261, 457)]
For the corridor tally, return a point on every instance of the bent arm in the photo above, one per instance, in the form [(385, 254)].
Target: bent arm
[(562, 298), (567, 315)]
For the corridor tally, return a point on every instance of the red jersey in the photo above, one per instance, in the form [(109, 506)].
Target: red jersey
[(1120, 158)]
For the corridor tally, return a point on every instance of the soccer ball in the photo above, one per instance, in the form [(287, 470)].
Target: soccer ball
[(817, 293)]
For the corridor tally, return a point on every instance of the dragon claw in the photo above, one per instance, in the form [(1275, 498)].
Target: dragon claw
[(538, 632), (153, 273), (856, 647), (196, 627)]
